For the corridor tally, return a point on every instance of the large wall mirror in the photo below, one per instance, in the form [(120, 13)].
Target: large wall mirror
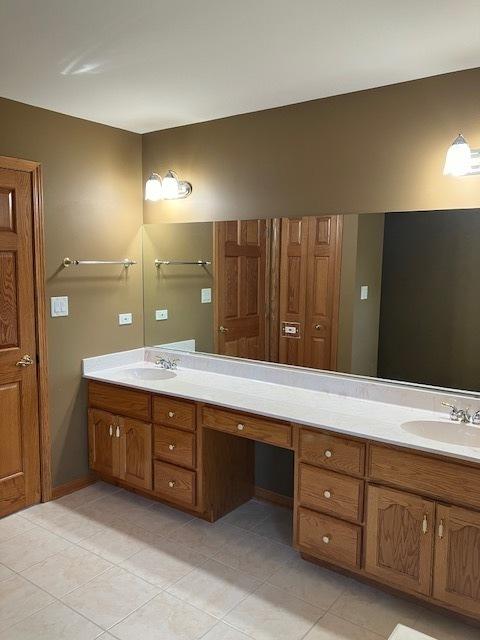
[(393, 296)]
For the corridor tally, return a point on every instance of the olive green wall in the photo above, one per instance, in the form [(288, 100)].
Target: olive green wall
[(372, 151), (93, 209), (177, 288)]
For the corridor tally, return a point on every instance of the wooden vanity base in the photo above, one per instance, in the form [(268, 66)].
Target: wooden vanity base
[(394, 517)]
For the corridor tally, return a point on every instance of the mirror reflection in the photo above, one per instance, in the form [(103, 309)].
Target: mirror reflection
[(391, 295)]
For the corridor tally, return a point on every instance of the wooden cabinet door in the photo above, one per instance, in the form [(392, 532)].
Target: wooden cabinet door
[(135, 452), (456, 578), (399, 538), (103, 443)]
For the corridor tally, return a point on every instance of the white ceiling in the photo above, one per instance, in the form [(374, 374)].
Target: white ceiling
[(144, 65)]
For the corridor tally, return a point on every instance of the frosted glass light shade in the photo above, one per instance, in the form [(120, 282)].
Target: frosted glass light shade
[(153, 188), (170, 186), (459, 158)]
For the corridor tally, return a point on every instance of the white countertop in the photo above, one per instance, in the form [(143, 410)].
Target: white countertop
[(374, 420)]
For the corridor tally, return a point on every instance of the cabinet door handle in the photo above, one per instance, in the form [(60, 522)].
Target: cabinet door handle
[(117, 431), (240, 426), (171, 446), (326, 539), (171, 414), (441, 529), (110, 430), (328, 453), (171, 484), (425, 524), (327, 494)]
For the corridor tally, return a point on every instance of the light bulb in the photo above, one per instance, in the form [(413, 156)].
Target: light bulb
[(153, 188), (459, 158)]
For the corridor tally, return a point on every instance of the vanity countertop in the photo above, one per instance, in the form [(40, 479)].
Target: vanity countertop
[(374, 420)]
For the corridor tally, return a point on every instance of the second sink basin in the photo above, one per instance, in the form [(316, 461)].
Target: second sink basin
[(449, 432), (140, 373)]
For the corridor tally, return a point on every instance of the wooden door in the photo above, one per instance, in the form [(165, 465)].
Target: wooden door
[(309, 290), (456, 577), (103, 438), (399, 538), (136, 452), (240, 288), (19, 425)]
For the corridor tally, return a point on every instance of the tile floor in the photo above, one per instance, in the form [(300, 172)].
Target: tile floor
[(105, 563)]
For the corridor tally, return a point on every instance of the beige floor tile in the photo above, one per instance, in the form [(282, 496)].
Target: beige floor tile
[(332, 628), (26, 549), (442, 627), (214, 588), (278, 525), (88, 494), (66, 571), (222, 631), (249, 515), (204, 537), (374, 610), (273, 614), (255, 555), (117, 541), (73, 526), (164, 563), (20, 599), (160, 519), (55, 622), (121, 505), (44, 513), (13, 525), (110, 597), (5, 572), (164, 617), (320, 587)]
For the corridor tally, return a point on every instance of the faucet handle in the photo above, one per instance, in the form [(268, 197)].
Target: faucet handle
[(455, 412), (475, 417)]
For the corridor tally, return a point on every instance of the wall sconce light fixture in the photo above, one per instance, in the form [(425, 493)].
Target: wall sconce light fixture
[(461, 160), (167, 188)]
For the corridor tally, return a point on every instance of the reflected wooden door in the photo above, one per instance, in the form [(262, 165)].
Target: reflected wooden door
[(240, 288), (19, 424)]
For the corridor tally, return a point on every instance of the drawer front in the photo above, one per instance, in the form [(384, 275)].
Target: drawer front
[(174, 484), (119, 400), (330, 492), (332, 452), (443, 480), (174, 413), (329, 538), (246, 426), (174, 445)]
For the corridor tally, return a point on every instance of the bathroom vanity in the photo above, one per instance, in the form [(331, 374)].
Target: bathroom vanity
[(370, 497)]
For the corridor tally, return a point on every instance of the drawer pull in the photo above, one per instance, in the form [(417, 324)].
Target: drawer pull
[(171, 446), (326, 539), (110, 431), (328, 453), (171, 484), (327, 494), (424, 524), (441, 529), (240, 426), (171, 414)]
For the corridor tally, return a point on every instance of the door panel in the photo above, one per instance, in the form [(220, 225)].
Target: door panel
[(19, 429), (136, 452), (400, 538), (457, 558), (240, 281), (103, 443)]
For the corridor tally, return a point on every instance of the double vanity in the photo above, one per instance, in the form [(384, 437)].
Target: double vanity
[(386, 488)]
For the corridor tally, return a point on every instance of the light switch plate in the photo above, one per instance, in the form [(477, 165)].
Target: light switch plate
[(59, 306), (125, 318), (161, 314), (206, 296), (364, 292)]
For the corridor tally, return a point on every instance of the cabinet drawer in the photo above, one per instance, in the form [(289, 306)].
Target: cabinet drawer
[(329, 538), (443, 480), (174, 413), (175, 484), (330, 451), (330, 492), (247, 426), (174, 445), (119, 400)]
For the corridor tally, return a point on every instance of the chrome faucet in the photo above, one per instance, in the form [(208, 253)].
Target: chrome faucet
[(462, 415), (167, 363)]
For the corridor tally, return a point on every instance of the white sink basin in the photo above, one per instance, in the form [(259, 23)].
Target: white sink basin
[(449, 432), (140, 373)]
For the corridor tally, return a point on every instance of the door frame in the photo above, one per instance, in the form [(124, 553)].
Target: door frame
[(35, 171)]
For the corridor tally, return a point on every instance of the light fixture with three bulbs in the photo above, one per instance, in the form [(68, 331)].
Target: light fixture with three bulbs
[(167, 188), (461, 160)]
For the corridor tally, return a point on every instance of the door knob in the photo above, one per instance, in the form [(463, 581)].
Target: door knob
[(222, 329), (26, 361)]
